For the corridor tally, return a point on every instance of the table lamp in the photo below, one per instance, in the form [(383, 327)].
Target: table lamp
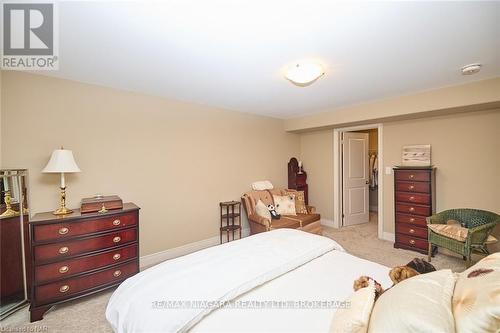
[(62, 161)]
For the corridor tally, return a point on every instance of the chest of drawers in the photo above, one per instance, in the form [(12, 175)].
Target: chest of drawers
[(414, 200), (80, 254)]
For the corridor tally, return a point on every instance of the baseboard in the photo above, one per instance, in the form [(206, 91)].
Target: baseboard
[(388, 236), (158, 257), (328, 223)]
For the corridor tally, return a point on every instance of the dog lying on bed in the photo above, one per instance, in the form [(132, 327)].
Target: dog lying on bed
[(397, 274)]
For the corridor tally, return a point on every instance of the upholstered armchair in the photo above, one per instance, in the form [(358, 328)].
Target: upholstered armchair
[(472, 233), (310, 222)]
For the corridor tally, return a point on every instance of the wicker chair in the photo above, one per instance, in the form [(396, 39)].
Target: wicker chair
[(479, 224)]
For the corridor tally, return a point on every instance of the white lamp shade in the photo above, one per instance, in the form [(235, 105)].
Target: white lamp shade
[(62, 160), (304, 73)]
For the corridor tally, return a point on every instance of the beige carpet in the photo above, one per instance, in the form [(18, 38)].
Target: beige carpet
[(87, 315), (361, 240)]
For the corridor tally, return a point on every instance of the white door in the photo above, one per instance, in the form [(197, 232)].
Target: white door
[(355, 178)]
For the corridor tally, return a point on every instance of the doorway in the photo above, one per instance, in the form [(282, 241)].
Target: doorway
[(358, 179)]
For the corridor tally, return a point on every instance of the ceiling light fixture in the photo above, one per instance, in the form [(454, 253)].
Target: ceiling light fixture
[(304, 73), (471, 69)]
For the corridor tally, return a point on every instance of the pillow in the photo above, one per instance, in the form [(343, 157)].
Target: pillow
[(285, 205), (455, 231), (453, 222), (476, 300), (355, 318), (262, 185), (261, 210), (420, 304), (300, 201)]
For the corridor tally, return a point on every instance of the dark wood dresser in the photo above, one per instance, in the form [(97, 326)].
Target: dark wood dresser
[(81, 254), (415, 199)]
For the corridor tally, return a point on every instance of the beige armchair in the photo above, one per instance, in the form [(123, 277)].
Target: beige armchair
[(307, 222)]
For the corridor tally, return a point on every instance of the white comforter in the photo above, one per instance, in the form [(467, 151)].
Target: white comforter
[(327, 278), (217, 274)]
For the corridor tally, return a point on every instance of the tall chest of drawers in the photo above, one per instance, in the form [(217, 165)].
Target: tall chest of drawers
[(80, 254), (414, 200)]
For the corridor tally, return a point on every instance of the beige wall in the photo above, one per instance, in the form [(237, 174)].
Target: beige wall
[(465, 150), (316, 152), (471, 96), (175, 160)]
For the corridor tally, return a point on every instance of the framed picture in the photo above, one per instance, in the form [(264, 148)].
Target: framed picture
[(416, 155)]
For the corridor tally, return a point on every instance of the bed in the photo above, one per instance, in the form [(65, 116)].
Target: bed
[(282, 280)]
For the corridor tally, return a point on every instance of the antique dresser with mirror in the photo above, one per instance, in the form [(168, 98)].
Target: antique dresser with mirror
[(14, 241)]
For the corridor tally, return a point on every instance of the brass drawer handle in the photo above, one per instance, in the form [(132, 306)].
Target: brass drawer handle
[(412, 198), (117, 273), (117, 239), (63, 250), (63, 231), (412, 231), (411, 187), (411, 209), (116, 256), (117, 222), (412, 242), (63, 269), (412, 176), (412, 219), (64, 288)]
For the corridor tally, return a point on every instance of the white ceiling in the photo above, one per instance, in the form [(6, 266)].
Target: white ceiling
[(232, 54)]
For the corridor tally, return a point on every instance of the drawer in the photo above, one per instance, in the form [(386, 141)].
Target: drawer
[(64, 249), (71, 267), (411, 230), (59, 231), (421, 187), (418, 198), (410, 241), (66, 288), (411, 219), (413, 175), (413, 209)]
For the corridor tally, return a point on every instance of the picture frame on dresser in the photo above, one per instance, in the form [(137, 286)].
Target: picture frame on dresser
[(414, 200), (76, 255)]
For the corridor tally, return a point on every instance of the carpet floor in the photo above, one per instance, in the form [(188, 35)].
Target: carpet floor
[(87, 314)]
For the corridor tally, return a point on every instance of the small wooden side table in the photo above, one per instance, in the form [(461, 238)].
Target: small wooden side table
[(230, 216)]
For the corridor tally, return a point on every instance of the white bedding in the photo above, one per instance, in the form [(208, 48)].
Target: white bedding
[(220, 273), (329, 277)]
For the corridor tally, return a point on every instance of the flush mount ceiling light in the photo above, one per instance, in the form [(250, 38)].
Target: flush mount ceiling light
[(471, 69), (304, 73)]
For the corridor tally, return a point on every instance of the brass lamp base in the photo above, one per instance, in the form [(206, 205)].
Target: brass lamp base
[(62, 211), (9, 212)]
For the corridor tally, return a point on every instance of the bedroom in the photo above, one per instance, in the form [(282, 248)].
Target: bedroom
[(172, 110)]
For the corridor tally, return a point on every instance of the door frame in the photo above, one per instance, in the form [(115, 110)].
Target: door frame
[(337, 176)]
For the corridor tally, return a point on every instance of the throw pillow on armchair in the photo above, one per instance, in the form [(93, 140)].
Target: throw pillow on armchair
[(300, 201), (285, 205)]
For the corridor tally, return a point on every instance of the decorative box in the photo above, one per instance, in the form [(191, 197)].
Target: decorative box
[(101, 203)]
